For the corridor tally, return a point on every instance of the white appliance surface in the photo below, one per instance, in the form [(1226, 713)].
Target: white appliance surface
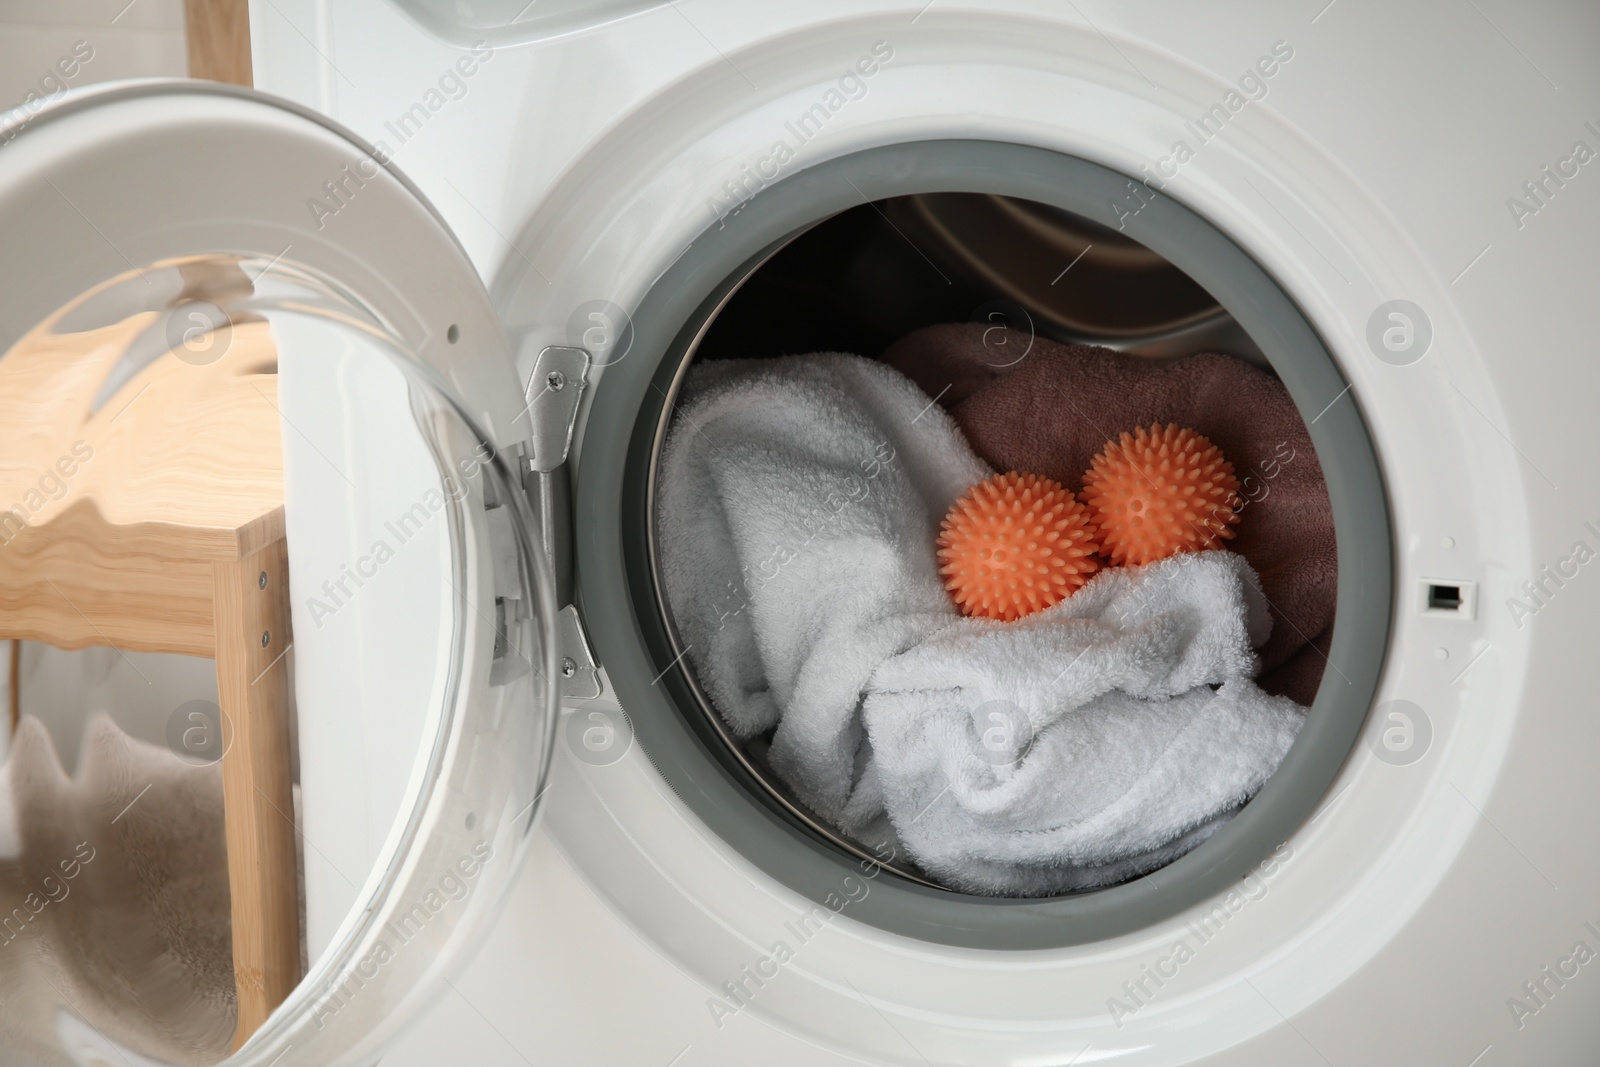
[(1419, 916)]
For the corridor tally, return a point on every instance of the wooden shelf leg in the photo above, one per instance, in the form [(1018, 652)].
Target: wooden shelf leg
[(252, 635), (218, 33)]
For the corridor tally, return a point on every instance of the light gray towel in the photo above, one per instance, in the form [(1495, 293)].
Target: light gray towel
[(800, 501), (117, 890)]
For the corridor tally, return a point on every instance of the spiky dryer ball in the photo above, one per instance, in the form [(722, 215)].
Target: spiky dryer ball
[(1015, 544), (1157, 492)]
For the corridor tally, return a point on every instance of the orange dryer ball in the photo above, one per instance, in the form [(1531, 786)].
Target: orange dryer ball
[(1015, 544), (1157, 492)]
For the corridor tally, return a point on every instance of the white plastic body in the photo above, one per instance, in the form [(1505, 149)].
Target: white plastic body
[(1407, 921)]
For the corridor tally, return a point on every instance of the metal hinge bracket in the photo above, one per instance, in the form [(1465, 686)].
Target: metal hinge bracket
[(554, 389), (580, 675)]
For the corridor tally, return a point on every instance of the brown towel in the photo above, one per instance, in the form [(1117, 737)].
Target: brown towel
[(1049, 411)]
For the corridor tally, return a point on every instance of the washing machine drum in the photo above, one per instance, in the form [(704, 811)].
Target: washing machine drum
[(244, 423)]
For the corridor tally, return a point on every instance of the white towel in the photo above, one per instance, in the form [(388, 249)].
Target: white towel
[(799, 502)]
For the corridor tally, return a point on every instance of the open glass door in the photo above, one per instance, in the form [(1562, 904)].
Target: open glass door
[(281, 658)]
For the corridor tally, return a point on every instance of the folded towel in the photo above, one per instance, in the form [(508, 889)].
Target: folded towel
[(1051, 410), (799, 502)]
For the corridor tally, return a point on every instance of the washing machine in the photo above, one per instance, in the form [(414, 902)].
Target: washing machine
[(490, 243)]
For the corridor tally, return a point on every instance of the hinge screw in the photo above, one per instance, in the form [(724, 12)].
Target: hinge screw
[(568, 668), (556, 381)]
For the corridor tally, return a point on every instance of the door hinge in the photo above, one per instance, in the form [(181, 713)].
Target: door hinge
[(554, 389), (580, 675)]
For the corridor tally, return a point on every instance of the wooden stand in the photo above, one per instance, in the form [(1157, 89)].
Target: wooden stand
[(218, 38), (156, 524)]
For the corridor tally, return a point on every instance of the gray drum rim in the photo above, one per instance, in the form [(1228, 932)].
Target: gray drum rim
[(618, 599)]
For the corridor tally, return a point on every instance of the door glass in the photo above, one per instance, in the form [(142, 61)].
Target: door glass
[(277, 674)]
